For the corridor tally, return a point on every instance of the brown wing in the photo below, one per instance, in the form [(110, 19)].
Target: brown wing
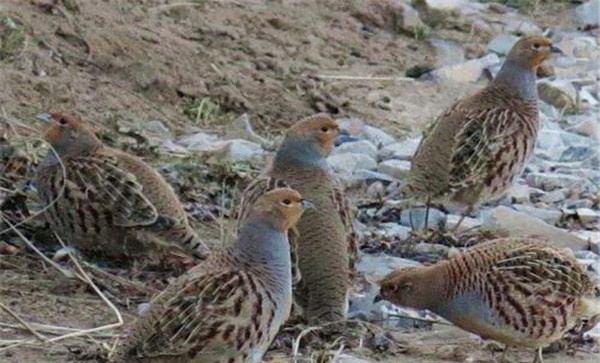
[(206, 311), (483, 140), (101, 181)]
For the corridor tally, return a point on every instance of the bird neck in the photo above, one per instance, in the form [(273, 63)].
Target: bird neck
[(298, 152), (433, 287), (518, 78), (63, 151), (262, 244)]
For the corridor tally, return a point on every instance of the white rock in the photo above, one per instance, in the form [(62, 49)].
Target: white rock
[(397, 168), (519, 224), (349, 163), (241, 128), (519, 193), (588, 215), (554, 196), (551, 140), (588, 127), (401, 150), (549, 216), (155, 126), (587, 14), (377, 136), (469, 71), (232, 150), (551, 181), (447, 52), (197, 140), (466, 224), (446, 4), (357, 147), (378, 266), (392, 229), (502, 43)]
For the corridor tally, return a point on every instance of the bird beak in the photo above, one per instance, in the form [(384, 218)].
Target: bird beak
[(377, 299), (556, 50), (307, 204), (46, 117)]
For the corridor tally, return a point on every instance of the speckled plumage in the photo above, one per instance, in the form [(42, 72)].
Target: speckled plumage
[(229, 308), (477, 148), (518, 291), (111, 205), (324, 244)]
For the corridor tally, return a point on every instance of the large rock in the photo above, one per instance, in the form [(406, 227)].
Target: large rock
[(466, 72), (358, 147), (396, 168), (519, 224), (502, 43), (587, 14), (551, 181), (377, 136), (401, 150), (349, 163)]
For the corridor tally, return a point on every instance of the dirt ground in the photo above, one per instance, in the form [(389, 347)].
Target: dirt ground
[(200, 65)]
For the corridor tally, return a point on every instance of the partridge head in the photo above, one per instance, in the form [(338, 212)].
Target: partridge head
[(69, 135), (530, 52)]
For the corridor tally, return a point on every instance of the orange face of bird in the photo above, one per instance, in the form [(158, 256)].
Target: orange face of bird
[(284, 205), (532, 51), (320, 128), (68, 133), (403, 287)]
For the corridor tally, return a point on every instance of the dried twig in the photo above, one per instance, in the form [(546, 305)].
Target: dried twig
[(23, 323)]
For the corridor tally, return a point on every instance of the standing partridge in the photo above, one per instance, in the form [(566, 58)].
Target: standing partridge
[(109, 204), (324, 244), (229, 308), (518, 291), (477, 148)]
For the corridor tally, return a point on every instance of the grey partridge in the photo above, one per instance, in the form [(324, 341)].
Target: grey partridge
[(109, 204), (229, 308)]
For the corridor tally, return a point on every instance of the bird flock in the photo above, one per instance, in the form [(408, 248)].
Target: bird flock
[(297, 246)]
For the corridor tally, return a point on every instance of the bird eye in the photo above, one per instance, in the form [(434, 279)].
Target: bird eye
[(324, 129), (286, 202), (536, 46), (62, 121)]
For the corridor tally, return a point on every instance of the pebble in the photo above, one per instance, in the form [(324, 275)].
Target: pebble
[(588, 215), (586, 15), (502, 43), (431, 249), (379, 265), (466, 224), (236, 150), (395, 168), (519, 193), (549, 216), (401, 150), (377, 136), (351, 162), (359, 147), (518, 224), (554, 196), (552, 181), (156, 126), (415, 218), (467, 72), (391, 229)]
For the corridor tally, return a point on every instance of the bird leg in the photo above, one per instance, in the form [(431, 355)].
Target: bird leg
[(462, 217), (538, 356)]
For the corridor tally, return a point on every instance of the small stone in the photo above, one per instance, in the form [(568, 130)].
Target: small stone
[(155, 126), (586, 15), (431, 249), (466, 224), (518, 224), (547, 215), (552, 181), (349, 163), (446, 4), (469, 71), (197, 140), (375, 190), (378, 266), (232, 150), (241, 128), (519, 193), (415, 218), (587, 215), (392, 229), (397, 168), (358, 147), (554, 196), (377, 136), (401, 150), (502, 43)]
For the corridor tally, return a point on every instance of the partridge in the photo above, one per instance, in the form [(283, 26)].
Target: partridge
[(324, 244), (518, 291), (229, 308), (476, 149), (109, 204)]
